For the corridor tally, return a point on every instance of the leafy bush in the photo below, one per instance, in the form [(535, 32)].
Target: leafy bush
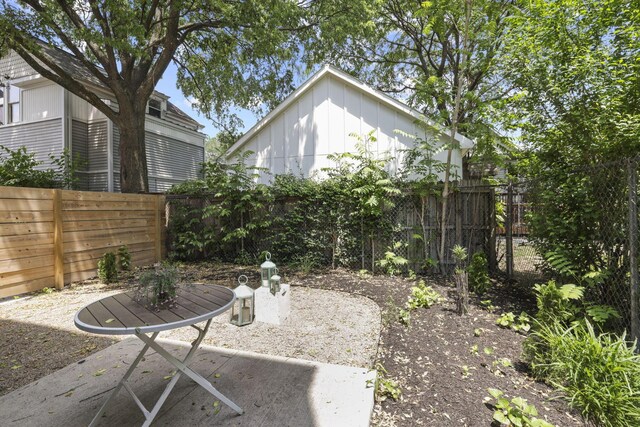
[(19, 168), (599, 373), (423, 296), (107, 268), (386, 387), (479, 274)]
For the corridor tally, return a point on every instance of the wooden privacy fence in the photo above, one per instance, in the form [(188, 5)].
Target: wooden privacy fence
[(52, 237)]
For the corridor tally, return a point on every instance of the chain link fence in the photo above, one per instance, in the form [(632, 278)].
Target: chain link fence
[(327, 233), (576, 226)]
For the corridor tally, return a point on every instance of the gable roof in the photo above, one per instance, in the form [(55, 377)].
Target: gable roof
[(73, 66), (353, 82)]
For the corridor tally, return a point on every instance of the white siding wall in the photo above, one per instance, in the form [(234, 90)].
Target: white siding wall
[(41, 102), (320, 123), (42, 138)]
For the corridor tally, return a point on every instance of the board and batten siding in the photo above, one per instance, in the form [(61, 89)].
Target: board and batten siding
[(322, 121), (43, 137)]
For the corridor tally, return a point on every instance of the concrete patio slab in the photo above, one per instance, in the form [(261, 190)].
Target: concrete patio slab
[(272, 390)]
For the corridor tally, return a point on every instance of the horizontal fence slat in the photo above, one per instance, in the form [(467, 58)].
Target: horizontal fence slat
[(108, 224), (106, 197), (25, 205), (68, 216), (24, 252), (90, 205), (14, 277), (82, 235), (32, 240), (25, 229), (15, 216), (97, 253), (25, 193), (10, 265)]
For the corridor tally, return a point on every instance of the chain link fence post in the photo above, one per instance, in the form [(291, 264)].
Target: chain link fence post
[(633, 246), (509, 232)]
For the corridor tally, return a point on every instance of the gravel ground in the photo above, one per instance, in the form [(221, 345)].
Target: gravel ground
[(38, 335)]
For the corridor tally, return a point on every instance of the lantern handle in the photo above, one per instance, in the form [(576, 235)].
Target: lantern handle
[(275, 271), (267, 256), (242, 279)]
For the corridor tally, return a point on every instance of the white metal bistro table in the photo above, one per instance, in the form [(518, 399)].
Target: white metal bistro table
[(122, 315)]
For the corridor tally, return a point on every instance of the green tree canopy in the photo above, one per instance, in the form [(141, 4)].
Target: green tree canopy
[(228, 53)]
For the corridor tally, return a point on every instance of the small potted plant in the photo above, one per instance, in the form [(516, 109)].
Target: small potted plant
[(158, 287)]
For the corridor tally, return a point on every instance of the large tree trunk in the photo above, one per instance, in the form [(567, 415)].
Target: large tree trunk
[(133, 156)]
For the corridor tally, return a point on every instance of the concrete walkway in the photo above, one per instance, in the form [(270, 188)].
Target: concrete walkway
[(273, 391)]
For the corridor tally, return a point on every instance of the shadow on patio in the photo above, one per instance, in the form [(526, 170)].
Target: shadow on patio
[(273, 391)]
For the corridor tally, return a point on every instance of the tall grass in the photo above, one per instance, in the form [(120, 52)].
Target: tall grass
[(599, 373)]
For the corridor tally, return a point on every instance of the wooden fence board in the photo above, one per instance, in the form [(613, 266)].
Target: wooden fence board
[(90, 205), (25, 263), (32, 240), (14, 277), (109, 234), (25, 193), (23, 252), (108, 224), (69, 216), (25, 205), (25, 228), (15, 216)]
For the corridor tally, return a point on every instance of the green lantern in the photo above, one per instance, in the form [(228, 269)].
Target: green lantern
[(267, 269)]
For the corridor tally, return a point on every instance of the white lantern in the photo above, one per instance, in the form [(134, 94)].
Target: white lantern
[(242, 311), (274, 283), (267, 269)]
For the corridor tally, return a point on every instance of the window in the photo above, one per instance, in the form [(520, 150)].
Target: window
[(155, 108), (14, 104)]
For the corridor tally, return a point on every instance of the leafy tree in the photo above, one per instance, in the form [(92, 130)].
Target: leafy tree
[(442, 56), (576, 66), (227, 52)]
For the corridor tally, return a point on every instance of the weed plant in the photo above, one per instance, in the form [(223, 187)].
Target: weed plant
[(107, 268)]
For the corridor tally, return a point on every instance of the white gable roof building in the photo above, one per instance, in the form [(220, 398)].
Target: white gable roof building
[(317, 119)]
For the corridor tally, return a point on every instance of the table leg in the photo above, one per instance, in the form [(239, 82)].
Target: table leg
[(122, 381), (182, 367)]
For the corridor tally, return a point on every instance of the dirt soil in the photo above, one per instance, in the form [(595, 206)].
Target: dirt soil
[(443, 363)]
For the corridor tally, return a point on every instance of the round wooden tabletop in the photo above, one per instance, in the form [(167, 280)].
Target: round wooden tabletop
[(121, 314)]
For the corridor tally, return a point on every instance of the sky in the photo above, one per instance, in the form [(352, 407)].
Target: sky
[(167, 85)]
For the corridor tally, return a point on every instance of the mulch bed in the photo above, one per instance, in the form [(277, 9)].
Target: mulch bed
[(442, 362), (443, 379)]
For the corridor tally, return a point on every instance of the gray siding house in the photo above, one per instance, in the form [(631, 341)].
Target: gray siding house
[(46, 118)]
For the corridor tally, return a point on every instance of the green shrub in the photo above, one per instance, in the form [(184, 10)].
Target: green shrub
[(423, 296), (107, 268), (124, 258), (19, 168), (479, 274), (599, 373)]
